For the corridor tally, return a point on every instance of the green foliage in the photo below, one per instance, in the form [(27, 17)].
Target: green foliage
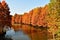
[(53, 16)]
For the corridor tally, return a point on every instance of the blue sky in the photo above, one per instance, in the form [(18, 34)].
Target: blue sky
[(21, 6)]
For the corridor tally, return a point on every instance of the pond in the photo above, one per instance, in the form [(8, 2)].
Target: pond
[(27, 32), (17, 35)]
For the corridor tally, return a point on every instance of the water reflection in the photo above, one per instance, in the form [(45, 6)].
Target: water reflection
[(27, 32), (34, 33), (17, 35), (10, 33)]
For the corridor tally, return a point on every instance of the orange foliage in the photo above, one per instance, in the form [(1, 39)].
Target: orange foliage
[(34, 17)]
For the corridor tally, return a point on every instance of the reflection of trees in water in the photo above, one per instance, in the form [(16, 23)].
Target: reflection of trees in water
[(2, 36), (35, 32)]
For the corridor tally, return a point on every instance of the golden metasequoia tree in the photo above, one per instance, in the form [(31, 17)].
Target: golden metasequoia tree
[(5, 17)]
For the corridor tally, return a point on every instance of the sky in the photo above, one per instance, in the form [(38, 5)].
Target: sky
[(21, 6)]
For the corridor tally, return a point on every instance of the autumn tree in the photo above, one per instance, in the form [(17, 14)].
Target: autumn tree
[(53, 16)]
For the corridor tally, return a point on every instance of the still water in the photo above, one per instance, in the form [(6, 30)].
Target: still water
[(27, 32), (18, 35)]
